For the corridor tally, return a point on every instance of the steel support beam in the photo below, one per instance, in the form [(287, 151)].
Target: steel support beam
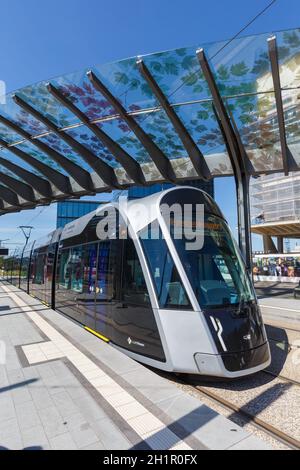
[(239, 162), (130, 165), (82, 177), (105, 171), (273, 54), (61, 182), (9, 196), (196, 156), (158, 157), (21, 189), (39, 184)]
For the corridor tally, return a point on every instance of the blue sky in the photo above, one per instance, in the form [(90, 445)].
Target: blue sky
[(42, 39)]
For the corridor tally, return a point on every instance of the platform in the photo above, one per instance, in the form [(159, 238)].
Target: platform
[(63, 388), (282, 310)]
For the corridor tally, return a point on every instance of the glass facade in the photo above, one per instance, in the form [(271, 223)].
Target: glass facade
[(138, 192), (275, 198), (68, 211)]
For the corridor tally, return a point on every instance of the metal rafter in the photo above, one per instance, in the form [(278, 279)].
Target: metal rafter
[(105, 171), (41, 185), (130, 165), (239, 161), (9, 196), (196, 156), (59, 180), (21, 189), (158, 157), (81, 176), (273, 54)]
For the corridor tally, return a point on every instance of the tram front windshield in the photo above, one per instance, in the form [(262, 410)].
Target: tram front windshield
[(216, 271)]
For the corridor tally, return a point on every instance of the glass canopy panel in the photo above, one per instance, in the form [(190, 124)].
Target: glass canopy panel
[(159, 128), (87, 138), (291, 107), (243, 66), (125, 82), (61, 147), (256, 119), (200, 121), (77, 88), (11, 157), (118, 130), (14, 113), (39, 98), (8, 135), (178, 74), (288, 44), (33, 151)]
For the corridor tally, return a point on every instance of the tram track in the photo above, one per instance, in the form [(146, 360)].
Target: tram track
[(282, 377), (274, 432), (239, 412)]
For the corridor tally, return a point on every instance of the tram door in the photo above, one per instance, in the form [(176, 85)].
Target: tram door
[(134, 325), (38, 275), (49, 272), (75, 284), (107, 284)]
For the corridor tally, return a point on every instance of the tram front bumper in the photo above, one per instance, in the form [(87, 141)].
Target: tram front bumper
[(234, 364)]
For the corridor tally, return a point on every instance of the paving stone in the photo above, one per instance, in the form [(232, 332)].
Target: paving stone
[(27, 415), (63, 442), (8, 427), (95, 446), (7, 409), (64, 404), (41, 396), (111, 437), (52, 421), (11, 442), (35, 438), (20, 395), (89, 408), (83, 435)]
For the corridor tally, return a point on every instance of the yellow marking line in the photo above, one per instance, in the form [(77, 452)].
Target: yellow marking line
[(97, 334)]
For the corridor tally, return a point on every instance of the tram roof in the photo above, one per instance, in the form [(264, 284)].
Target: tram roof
[(195, 112)]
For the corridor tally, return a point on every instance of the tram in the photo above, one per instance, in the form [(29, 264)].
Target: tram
[(159, 299)]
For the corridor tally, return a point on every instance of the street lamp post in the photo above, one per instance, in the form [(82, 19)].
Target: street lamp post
[(26, 229)]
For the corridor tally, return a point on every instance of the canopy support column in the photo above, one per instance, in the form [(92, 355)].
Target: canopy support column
[(239, 161)]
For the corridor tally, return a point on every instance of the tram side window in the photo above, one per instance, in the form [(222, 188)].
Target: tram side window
[(170, 290), (39, 277), (77, 268), (65, 269), (134, 289)]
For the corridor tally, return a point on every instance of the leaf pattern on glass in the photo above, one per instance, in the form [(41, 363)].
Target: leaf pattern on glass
[(240, 69)]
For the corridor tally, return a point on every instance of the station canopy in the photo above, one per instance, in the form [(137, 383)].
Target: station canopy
[(188, 113)]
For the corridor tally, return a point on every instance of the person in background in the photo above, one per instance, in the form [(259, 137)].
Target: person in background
[(278, 270)]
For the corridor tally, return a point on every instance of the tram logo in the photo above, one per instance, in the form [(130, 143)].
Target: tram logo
[(247, 337), (135, 343), (219, 330)]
